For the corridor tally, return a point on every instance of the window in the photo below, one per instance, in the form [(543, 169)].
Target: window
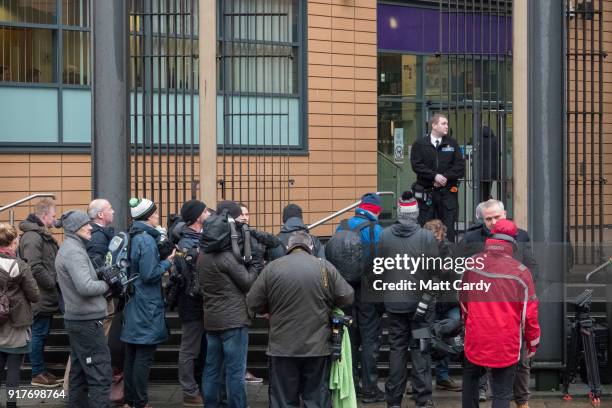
[(45, 71), (164, 72), (259, 65)]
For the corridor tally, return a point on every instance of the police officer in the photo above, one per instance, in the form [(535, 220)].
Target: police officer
[(438, 163)]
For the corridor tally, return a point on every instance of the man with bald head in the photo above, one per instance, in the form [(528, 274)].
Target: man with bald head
[(101, 214)]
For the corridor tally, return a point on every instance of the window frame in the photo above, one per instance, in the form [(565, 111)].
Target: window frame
[(58, 63), (60, 146), (301, 42)]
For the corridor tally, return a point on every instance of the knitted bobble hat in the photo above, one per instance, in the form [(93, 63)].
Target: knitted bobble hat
[(142, 208)]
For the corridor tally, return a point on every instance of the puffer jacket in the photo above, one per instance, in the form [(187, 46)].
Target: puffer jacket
[(38, 249), (225, 283), (406, 237), (22, 290), (144, 315)]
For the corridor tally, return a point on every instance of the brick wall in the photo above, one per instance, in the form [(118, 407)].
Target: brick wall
[(341, 103)]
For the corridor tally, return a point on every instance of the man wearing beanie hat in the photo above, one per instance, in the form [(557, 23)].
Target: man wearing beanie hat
[(85, 309), (192, 211), (406, 237), (368, 315), (292, 222), (144, 324), (299, 302), (190, 303)]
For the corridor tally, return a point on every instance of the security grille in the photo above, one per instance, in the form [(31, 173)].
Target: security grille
[(259, 119), (163, 80), (585, 171), (474, 89)]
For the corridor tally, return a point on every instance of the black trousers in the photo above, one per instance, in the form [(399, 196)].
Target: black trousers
[(136, 369), (501, 379), (13, 366), (401, 342), (365, 333), (299, 378), (444, 205), (90, 371)]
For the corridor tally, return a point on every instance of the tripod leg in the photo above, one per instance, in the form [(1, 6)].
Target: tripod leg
[(572, 363), (592, 366)]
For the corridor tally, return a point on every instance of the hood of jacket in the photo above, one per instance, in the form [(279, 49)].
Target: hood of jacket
[(188, 234), (365, 213), (294, 224), (6, 263), (141, 226), (404, 228), (33, 223), (71, 236)]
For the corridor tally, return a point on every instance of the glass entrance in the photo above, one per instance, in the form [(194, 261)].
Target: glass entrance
[(473, 95)]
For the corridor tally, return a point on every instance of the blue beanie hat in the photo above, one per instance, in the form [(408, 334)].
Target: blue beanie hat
[(371, 198)]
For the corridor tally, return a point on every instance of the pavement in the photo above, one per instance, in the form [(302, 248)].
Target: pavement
[(168, 395)]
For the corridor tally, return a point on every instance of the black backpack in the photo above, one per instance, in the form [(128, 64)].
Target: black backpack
[(347, 253)]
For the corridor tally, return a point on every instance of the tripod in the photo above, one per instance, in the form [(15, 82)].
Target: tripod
[(582, 340)]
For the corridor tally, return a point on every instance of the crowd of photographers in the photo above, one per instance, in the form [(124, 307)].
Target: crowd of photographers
[(114, 289)]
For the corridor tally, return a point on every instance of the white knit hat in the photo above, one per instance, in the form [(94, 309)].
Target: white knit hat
[(407, 206), (142, 208)]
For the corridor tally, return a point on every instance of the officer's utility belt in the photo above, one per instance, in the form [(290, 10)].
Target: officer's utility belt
[(421, 193)]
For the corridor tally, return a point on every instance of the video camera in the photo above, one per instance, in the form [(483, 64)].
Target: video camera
[(441, 339), (115, 270), (338, 322)]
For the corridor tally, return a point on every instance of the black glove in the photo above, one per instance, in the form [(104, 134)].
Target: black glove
[(266, 239), (165, 249)]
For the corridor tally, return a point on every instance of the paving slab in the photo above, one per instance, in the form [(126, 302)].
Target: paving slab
[(169, 395)]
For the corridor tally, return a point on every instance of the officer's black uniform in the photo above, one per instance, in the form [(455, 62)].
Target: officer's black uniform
[(427, 161)]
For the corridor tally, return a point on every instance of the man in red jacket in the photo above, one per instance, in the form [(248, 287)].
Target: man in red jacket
[(500, 310)]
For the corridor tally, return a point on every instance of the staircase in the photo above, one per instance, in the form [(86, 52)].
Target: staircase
[(165, 365)]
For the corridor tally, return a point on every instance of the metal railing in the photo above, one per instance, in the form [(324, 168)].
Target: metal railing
[(344, 210), (21, 201)]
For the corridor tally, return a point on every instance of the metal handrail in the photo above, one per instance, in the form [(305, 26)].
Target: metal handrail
[(344, 210), (21, 201)]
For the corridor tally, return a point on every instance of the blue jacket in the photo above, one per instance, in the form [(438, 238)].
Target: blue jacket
[(360, 216), (143, 318)]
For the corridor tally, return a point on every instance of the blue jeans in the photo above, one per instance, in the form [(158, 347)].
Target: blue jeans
[(41, 327), (227, 350), (442, 364)]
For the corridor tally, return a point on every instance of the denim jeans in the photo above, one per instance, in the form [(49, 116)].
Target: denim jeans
[(227, 349), (442, 364), (41, 327)]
